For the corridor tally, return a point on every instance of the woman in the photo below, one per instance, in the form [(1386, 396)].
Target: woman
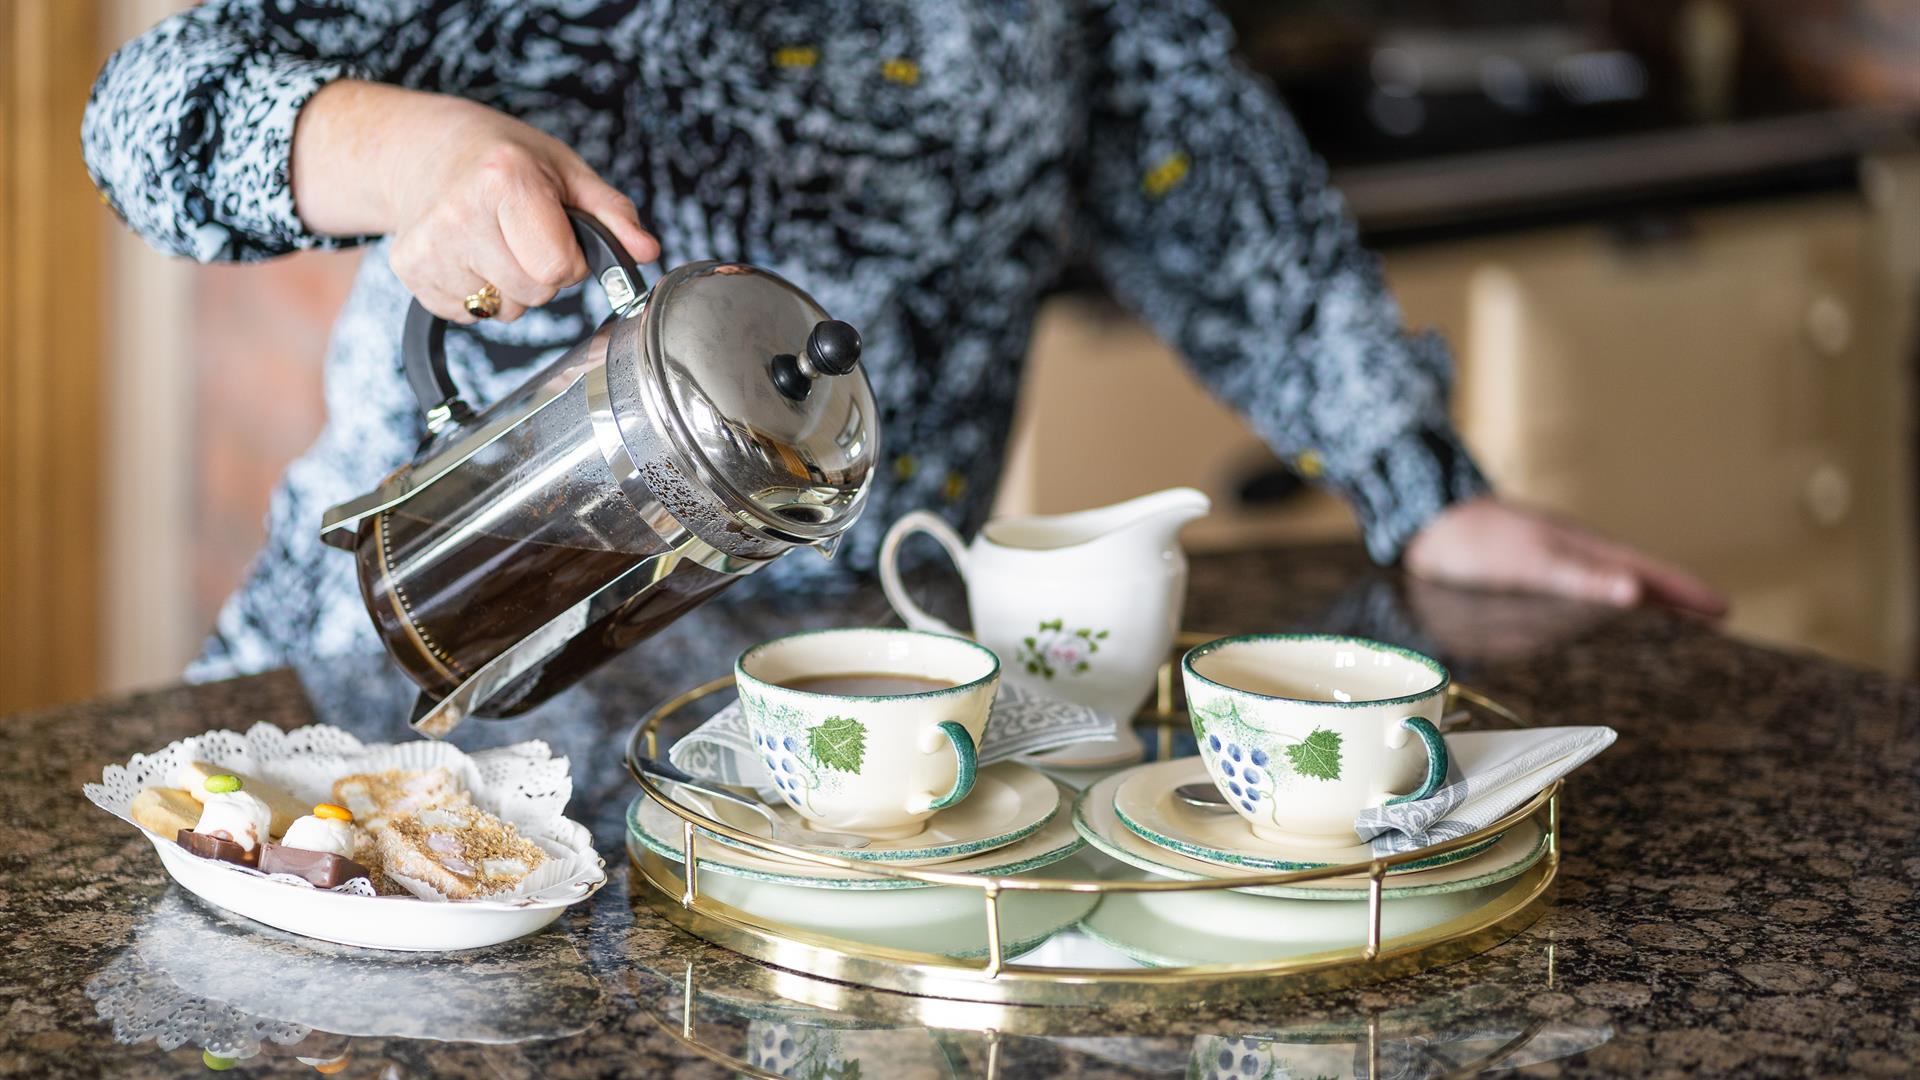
[(925, 170)]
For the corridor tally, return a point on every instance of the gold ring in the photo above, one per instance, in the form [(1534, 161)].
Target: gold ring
[(484, 304)]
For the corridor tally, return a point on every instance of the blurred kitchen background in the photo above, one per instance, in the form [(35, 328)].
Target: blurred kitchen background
[(1676, 244)]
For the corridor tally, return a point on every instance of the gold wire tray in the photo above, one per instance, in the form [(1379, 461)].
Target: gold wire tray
[(673, 892)]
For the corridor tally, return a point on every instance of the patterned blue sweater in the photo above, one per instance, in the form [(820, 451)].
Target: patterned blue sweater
[(925, 170)]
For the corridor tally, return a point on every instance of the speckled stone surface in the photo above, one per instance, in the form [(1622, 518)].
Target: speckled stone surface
[(1737, 892)]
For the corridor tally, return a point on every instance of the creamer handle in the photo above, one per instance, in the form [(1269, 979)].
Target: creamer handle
[(910, 523)]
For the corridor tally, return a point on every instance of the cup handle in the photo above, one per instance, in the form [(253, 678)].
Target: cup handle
[(1436, 759), (890, 583), (969, 768)]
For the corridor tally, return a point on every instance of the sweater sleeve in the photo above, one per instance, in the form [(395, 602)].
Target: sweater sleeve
[(1207, 213), (189, 132)]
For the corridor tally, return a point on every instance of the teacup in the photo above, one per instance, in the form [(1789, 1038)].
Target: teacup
[(881, 730), (1301, 732)]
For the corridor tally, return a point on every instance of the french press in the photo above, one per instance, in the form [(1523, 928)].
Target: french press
[(701, 431)]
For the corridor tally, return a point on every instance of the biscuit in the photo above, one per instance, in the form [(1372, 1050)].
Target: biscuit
[(376, 797), (165, 810), (460, 852)]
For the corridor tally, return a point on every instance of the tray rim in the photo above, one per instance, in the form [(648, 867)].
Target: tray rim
[(832, 973), (831, 968)]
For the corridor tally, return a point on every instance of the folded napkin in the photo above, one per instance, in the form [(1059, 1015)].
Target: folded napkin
[(1493, 772), (1021, 722)]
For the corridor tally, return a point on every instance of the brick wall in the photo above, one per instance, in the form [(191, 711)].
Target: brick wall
[(260, 335)]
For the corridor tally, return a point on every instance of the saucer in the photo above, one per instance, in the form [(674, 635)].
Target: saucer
[(1091, 754), (658, 830), (1095, 818), (1146, 804), (1009, 803)]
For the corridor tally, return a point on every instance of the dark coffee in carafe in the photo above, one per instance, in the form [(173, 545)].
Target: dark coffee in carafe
[(445, 621)]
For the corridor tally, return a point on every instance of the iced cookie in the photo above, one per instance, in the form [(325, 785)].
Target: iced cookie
[(328, 829), (376, 797), (233, 822), (461, 852), (165, 810), (193, 776)]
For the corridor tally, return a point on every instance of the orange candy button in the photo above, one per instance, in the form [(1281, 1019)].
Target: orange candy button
[(336, 813)]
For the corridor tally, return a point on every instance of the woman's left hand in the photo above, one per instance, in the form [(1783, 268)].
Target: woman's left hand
[(1486, 543)]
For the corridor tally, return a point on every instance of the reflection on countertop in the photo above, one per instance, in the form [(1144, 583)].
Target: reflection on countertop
[(1735, 873)]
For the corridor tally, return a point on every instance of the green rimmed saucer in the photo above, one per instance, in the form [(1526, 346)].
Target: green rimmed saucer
[(659, 831), (1009, 803), (1145, 803), (1098, 823)]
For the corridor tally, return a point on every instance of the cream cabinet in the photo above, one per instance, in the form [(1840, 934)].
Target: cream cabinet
[(1734, 395)]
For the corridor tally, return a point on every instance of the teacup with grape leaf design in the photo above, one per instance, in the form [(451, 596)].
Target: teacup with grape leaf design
[(1301, 732), (870, 730)]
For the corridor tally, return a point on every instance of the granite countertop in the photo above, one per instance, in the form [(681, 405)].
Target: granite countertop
[(1736, 893)]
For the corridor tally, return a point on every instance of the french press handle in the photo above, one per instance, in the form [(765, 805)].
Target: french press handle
[(423, 341)]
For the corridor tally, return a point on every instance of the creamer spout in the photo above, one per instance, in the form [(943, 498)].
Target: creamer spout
[(1159, 516)]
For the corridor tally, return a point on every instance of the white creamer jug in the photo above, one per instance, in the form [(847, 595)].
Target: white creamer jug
[(1080, 606)]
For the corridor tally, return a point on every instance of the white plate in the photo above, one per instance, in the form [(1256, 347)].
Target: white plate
[(1227, 926), (1094, 817), (524, 784), (1009, 803), (383, 922), (657, 829), (1146, 804)]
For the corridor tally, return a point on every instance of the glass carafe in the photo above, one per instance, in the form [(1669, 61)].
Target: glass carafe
[(700, 432)]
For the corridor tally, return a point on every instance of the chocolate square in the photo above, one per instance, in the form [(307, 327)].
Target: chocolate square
[(324, 869)]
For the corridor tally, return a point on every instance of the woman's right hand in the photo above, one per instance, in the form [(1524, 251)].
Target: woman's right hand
[(470, 195)]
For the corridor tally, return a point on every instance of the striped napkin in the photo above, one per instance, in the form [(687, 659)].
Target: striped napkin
[(1492, 772)]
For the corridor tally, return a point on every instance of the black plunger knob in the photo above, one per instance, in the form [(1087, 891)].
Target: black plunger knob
[(834, 347)]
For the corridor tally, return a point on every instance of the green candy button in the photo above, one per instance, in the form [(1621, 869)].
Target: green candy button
[(212, 1060), (221, 783)]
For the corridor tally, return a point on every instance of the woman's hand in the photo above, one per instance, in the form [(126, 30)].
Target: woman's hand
[(470, 195), (1486, 543)]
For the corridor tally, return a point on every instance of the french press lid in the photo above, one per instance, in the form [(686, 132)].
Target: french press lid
[(762, 403)]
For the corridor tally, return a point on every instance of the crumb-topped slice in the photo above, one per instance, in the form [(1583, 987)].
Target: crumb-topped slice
[(462, 852), (375, 798)]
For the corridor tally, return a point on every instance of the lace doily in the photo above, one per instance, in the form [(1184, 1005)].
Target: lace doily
[(143, 1004), (523, 784)]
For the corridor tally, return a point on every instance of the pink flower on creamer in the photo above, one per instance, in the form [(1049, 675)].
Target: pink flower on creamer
[(1053, 649), (1067, 652)]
